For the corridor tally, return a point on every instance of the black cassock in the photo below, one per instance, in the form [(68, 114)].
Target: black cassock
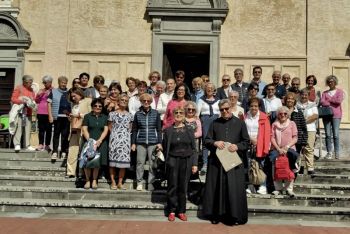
[(225, 195)]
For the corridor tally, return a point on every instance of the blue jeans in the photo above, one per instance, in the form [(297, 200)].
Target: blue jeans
[(332, 128), (206, 122)]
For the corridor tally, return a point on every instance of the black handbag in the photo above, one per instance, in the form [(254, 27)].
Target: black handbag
[(325, 112)]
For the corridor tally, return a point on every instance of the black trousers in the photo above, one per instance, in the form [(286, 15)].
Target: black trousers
[(61, 128), (178, 172), (45, 129)]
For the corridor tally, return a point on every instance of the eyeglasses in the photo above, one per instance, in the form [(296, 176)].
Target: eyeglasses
[(191, 109), (178, 112), (144, 101), (224, 109), (282, 114), (98, 106)]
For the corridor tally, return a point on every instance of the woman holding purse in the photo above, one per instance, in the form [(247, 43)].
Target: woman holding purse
[(80, 107)]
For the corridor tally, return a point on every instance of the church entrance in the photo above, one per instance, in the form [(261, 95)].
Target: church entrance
[(193, 59)]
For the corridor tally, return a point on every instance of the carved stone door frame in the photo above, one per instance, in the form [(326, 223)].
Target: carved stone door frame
[(14, 39), (187, 22)]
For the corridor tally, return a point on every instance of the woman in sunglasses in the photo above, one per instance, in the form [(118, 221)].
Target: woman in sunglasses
[(253, 90), (146, 137), (119, 141), (95, 126), (284, 136), (180, 151)]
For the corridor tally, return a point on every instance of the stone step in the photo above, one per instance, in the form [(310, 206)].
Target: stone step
[(324, 178), (33, 171), (96, 208), (322, 189), (339, 169), (31, 162), (332, 162), (159, 196), (10, 153)]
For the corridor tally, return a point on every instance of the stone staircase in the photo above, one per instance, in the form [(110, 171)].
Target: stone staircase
[(31, 186)]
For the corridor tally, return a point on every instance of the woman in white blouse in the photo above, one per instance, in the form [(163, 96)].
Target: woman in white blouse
[(271, 102), (310, 112), (237, 110), (208, 110)]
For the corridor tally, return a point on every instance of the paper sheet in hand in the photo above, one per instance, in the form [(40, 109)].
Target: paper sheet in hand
[(228, 159)]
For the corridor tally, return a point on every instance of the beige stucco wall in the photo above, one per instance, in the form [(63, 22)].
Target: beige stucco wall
[(114, 38)]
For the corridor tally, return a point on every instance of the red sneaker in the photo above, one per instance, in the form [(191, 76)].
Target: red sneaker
[(182, 216), (171, 217)]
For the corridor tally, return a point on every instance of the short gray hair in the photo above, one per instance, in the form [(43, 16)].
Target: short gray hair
[(47, 78), (27, 78), (283, 109), (62, 78), (331, 77), (233, 92), (238, 69), (224, 101), (161, 83)]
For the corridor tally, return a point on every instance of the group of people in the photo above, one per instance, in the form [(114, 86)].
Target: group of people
[(262, 122)]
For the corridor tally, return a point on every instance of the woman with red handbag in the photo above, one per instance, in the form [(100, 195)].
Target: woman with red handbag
[(284, 136)]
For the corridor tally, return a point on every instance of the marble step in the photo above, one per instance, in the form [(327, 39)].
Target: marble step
[(322, 189), (160, 196), (33, 171), (96, 208)]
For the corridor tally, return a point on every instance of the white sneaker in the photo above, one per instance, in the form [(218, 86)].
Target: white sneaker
[(17, 148), (64, 155), (248, 191), (139, 187), (290, 193), (54, 156), (31, 148), (276, 193), (329, 156), (262, 190)]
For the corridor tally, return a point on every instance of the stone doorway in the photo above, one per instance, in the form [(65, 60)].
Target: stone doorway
[(7, 82), (186, 24), (192, 58)]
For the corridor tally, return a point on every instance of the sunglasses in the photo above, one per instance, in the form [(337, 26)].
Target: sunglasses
[(205, 80), (224, 109), (144, 101), (123, 100), (191, 109), (282, 114), (225, 79), (178, 112), (98, 106)]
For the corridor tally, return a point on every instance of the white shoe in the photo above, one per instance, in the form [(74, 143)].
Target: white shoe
[(17, 148), (31, 148), (329, 156), (139, 187), (54, 156), (290, 193), (276, 193), (262, 190), (248, 191), (64, 155)]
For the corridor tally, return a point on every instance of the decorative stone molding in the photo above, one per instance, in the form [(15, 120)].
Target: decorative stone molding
[(217, 25), (156, 22), (12, 34)]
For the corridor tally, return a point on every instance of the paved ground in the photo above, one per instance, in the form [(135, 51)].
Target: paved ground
[(66, 226)]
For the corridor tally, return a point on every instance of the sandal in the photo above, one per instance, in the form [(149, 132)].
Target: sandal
[(121, 187), (94, 184), (114, 187), (87, 185)]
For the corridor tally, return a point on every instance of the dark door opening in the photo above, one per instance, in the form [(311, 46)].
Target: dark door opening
[(7, 82), (191, 58)]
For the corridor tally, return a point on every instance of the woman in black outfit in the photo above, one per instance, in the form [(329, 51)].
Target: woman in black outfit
[(181, 158)]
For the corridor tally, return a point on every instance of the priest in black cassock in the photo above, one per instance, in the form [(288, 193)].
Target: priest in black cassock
[(225, 197)]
